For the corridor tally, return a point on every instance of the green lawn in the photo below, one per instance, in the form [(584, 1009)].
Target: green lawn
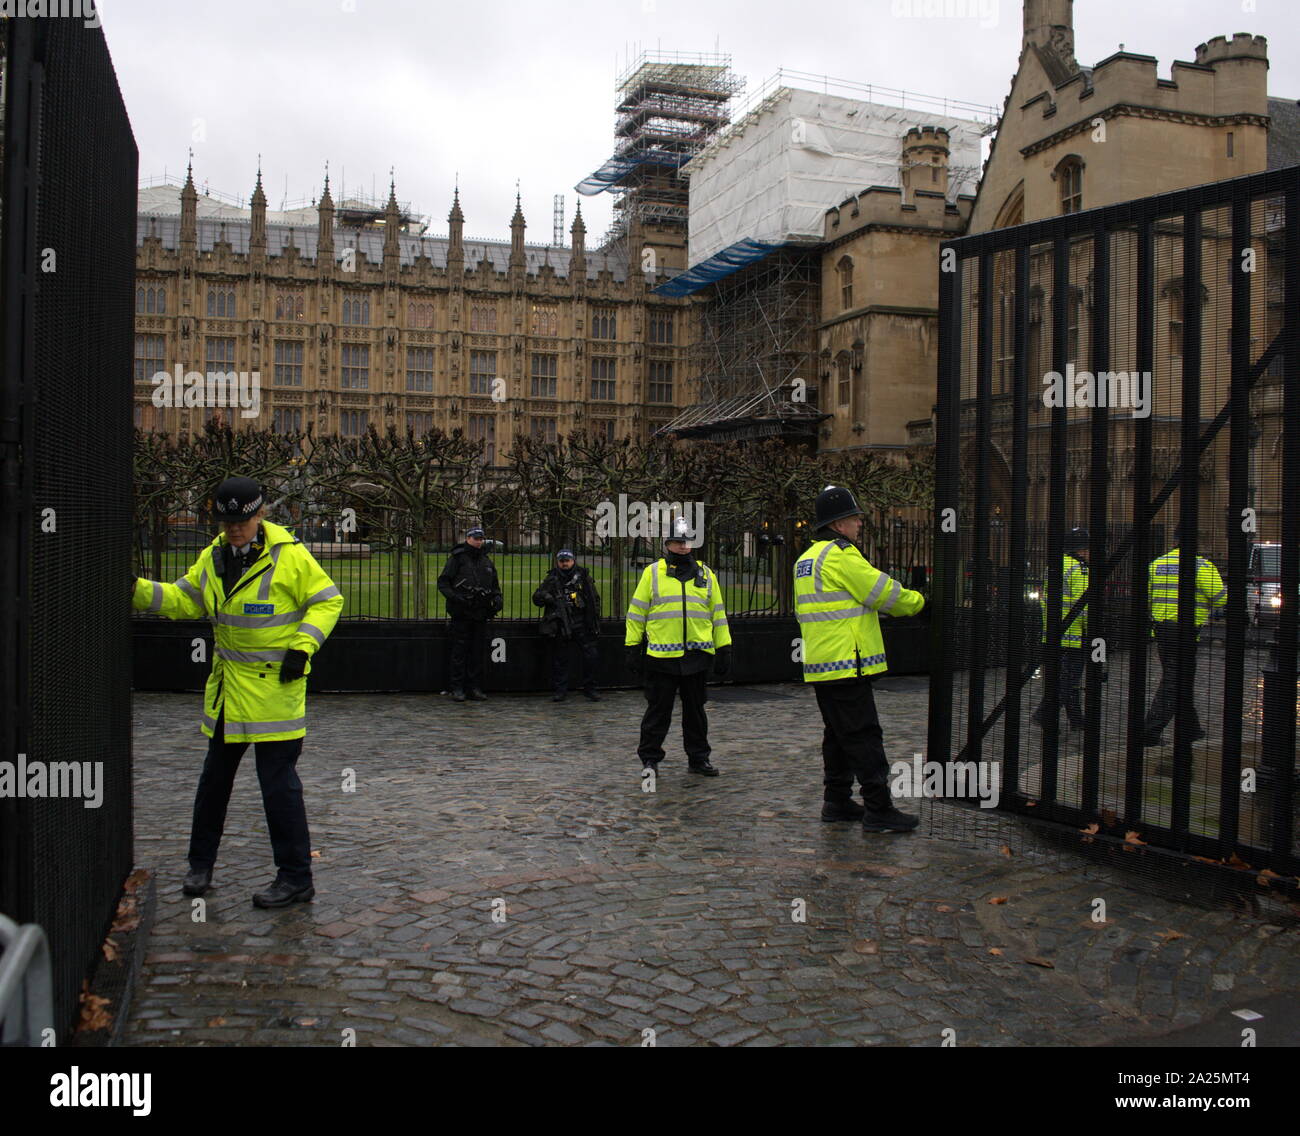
[(367, 584)]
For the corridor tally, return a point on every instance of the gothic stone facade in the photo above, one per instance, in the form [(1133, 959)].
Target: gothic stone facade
[(361, 324)]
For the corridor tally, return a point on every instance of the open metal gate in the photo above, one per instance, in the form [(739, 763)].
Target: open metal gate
[(1132, 371)]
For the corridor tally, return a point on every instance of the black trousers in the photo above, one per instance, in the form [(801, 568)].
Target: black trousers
[(661, 690), (1165, 704), (1073, 660), (853, 744), (468, 646), (286, 816), (561, 654)]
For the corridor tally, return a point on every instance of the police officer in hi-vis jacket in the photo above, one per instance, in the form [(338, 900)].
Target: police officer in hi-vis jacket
[(838, 599), (678, 611), (272, 607)]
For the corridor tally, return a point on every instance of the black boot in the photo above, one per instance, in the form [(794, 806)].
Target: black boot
[(281, 894), (891, 820), (848, 809), (197, 881)]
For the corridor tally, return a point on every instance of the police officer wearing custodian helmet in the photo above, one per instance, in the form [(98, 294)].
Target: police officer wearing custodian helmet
[(272, 607), (838, 599)]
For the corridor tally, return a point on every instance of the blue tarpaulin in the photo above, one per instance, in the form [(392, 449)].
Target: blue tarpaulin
[(720, 264), (613, 171)]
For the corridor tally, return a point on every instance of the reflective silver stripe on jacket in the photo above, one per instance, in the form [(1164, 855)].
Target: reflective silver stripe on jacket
[(323, 595), (819, 616), (895, 595), (314, 631), (190, 590), (645, 604), (264, 588), (275, 656), (261, 620), (156, 602), (265, 727)]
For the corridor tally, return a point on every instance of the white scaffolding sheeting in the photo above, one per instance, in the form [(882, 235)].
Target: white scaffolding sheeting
[(773, 175)]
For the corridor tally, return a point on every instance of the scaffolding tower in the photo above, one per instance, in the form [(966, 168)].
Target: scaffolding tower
[(754, 355), (670, 104)]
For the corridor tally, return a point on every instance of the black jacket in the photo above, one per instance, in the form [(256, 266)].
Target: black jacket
[(467, 569), (565, 618)]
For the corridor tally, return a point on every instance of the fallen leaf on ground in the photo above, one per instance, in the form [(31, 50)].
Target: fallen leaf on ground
[(1092, 829), (943, 907), (1170, 936), (1206, 860), (1034, 960), (94, 1016), (214, 1022), (314, 854), (134, 880), (1264, 876), (995, 950), (110, 950), (997, 899), (1133, 838), (1006, 851), (1235, 861)]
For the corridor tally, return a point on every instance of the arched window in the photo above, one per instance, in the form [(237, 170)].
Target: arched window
[(162, 300), (1069, 182), (139, 301), (1013, 209), (842, 364), (845, 269)]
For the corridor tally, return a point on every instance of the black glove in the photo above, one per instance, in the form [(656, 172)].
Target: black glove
[(722, 661), (295, 662), (633, 657), (497, 603)]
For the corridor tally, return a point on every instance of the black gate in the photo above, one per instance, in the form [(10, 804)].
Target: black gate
[(1133, 371), (67, 271)]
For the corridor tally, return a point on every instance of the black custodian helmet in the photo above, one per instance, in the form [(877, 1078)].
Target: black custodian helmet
[(834, 503), (237, 499)]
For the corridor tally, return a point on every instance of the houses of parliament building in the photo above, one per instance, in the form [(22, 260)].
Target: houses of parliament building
[(353, 318)]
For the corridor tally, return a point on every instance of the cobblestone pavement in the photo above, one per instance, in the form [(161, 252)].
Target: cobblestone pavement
[(498, 876)]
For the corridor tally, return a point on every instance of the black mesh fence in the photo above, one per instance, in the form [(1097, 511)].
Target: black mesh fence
[(1133, 372), (68, 263)]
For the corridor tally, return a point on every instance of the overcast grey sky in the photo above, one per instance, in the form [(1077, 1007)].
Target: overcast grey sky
[(523, 90)]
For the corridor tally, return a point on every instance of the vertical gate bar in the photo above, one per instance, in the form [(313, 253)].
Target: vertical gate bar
[(980, 519), (1019, 502), (1099, 483), (1139, 614), (1188, 513), (945, 637), (1234, 654), (1280, 708), (1056, 519)]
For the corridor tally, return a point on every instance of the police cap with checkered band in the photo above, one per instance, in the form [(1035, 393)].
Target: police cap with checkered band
[(237, 499)]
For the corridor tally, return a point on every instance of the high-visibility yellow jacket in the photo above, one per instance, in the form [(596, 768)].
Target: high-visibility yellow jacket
[(837, 595), (675, 616), (284, 601), (1210, 592), (1074, 582)]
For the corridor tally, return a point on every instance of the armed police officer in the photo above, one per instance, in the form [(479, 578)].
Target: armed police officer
[(678, 611), (473, 594), (1074, 582), (272, 608), (839, 597), (572, 619), (1209, 593)]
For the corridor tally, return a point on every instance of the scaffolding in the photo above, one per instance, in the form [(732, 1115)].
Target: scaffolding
[(670, 105), (755, 353)]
